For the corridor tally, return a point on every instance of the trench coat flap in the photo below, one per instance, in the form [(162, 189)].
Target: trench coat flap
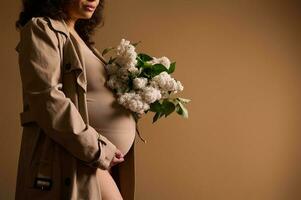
[(49, 107), (71, 58)]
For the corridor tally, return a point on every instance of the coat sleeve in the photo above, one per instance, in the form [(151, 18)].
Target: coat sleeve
[(56, 115)]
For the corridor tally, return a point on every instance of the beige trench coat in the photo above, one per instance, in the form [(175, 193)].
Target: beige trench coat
[(60, 152)]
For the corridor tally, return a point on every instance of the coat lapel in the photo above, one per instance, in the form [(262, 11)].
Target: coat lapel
[(72, 57)]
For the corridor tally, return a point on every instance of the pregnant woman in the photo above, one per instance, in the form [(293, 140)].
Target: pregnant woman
[(77, 140)]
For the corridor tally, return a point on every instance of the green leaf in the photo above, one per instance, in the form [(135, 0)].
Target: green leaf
[(181, 110), (140, 62), (166, 107), (147, 65), (146, 75), (178, 109), (105, 51), (144, 57), (182, 100), (172, 67), (169, 107), (156, 107), (157, 116), (147, 72), (157, 69)]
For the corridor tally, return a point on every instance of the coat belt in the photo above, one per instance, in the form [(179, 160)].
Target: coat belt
[(26, 117)]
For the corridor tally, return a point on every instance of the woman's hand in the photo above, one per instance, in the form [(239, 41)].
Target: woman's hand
[(118, 158)]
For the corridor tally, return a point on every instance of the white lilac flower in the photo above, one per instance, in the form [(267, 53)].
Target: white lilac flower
[(165, 82), (180, 86), (153, 83), (111, 68), (123, 74), (126, 54), (171, 85), (123, 47), (139, 82), (112, 81), (134, 102), (127, 61), (115, 83), (133, 70), (150, 94), (137, 105), (165, 94), (163, 60), (126, 97)]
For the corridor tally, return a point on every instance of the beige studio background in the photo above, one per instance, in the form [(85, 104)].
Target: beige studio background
[(239, 62)]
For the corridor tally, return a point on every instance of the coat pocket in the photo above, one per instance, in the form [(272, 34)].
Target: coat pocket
[(34, 193), (42, 163)]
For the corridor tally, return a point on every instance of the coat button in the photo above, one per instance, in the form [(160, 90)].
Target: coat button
[(67, 181), (68, 66)]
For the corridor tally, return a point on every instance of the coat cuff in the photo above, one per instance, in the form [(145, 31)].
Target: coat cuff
[(106, 153)]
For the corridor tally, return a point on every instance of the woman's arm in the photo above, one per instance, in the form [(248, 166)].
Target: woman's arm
[(39, 61)]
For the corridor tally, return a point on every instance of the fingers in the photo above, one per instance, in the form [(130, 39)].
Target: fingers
[(119, 157), (119, 154), (115, 161)]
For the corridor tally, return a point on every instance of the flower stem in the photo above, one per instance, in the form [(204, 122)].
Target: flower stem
[(136, 117)]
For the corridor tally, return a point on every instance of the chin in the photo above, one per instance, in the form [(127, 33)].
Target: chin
[(86, 16)]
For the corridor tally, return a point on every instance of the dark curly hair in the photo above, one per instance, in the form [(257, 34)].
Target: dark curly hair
[(55, 9)]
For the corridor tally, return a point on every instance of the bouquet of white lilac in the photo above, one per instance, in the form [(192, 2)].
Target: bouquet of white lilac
[(143, 83)]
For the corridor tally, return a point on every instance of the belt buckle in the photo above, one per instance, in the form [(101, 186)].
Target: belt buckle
[(43, 183)]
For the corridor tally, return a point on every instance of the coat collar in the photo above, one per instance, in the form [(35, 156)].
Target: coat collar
[(60, 26), (74, 56)]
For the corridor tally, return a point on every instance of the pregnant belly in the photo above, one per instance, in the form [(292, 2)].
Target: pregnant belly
[(111, 119)]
